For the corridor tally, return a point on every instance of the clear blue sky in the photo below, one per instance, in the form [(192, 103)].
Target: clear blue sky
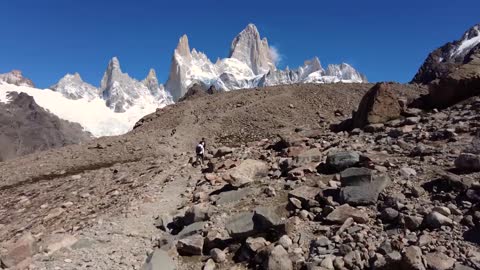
[(386, 40)]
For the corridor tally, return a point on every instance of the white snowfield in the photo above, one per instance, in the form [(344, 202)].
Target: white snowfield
[(92, 114)]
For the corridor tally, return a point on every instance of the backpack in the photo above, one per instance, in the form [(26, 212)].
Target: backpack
[(199, 149)]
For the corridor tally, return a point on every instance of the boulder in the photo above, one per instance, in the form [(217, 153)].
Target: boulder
[(343, 212), (439, 261), (313, 155), (306, 195), (468, 162), (412, 258), (342, 160), (192, 229), (360, 187), (159, 260), (233, 196), (192, 245), (378, 105), (435, 220), (241, 225), (197, 213), (247, 171), (278, 259), (223, 151), (265, 218), (218, 255)]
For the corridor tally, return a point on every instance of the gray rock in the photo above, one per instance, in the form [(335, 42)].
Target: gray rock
[(159, 260), (223, 151), (468, 162), (233, 196), (285, 241), (412, 258), (266, 217), (412, 222), (313, 155), (192, 229), (210, 265), (360, 192), (256, 243), (192, 245), (247, 171), (439, 261), (435, 220), (306, 195), (197, 213), (407, 172), (355, 176), (342, 160), (279, 259), (459, 266), (343, 212), (218, 255), (241, 225), (162, 222), (389, 215)]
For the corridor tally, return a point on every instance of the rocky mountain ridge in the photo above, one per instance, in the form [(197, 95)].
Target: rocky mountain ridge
[(250, 64), (448, 57), (28, 128)]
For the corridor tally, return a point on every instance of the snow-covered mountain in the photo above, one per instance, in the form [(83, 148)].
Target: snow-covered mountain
[(250, 64), (447, 58), (122, 92), (120, 100), (16, 77), (73, 87), (112, 109)]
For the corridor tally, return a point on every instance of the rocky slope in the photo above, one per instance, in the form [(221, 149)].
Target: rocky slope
[(83, 193), (447, 58), (250, 64), (28, 128)]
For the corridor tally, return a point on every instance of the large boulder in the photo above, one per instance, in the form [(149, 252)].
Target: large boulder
[(361, 187), (342, 160), (247, 171), (20, 252), (378, 105)]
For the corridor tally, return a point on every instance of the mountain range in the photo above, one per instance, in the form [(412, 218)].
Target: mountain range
[(121, 100)]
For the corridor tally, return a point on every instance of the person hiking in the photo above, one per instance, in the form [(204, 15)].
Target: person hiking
[(200, 150)]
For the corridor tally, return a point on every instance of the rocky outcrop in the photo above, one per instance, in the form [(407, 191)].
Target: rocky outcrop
[(444, 60), (27, 128), (458, 85), (122, 92), (16, 77)]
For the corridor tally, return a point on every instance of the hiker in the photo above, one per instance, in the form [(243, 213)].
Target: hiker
[(200, 150)]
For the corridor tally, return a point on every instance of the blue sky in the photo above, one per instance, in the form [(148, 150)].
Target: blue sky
[(386, 40)]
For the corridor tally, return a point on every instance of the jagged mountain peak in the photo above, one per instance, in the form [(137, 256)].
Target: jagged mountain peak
[(183, 48), (249, 48), (448, 57), (73, 87), (114, 64), (16, 77)]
